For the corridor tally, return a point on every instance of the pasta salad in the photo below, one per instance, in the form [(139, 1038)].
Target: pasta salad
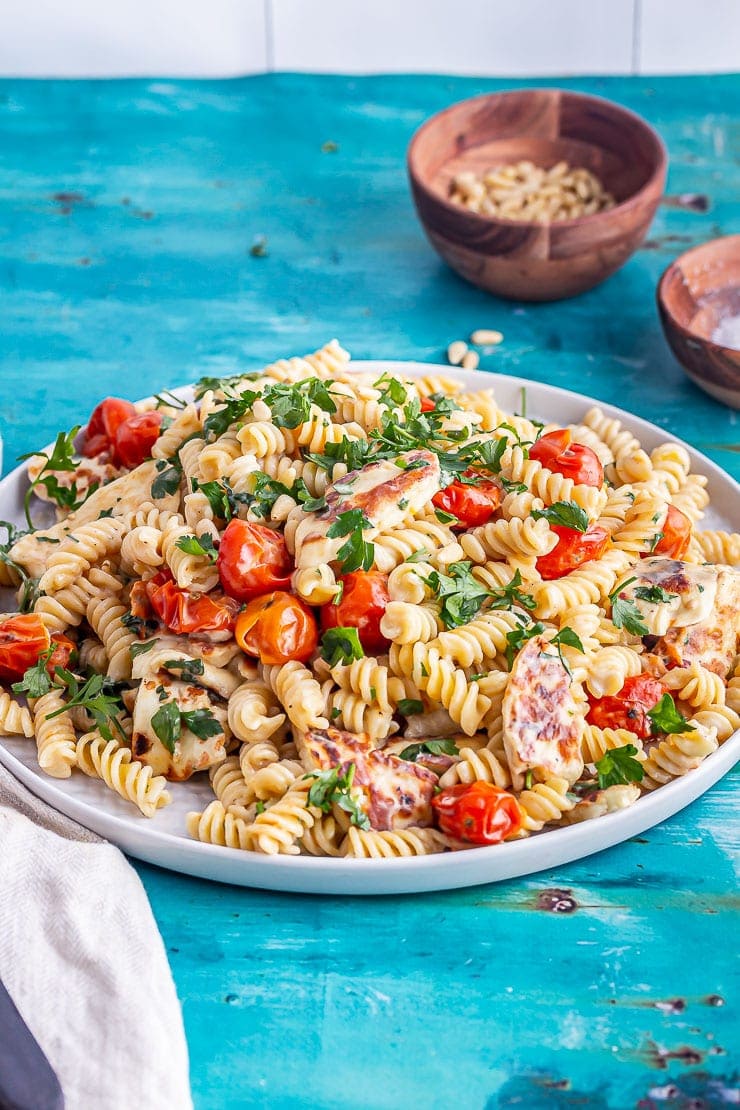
[(384, 616)]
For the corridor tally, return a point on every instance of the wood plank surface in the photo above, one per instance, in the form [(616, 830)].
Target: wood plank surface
[(127, 214)]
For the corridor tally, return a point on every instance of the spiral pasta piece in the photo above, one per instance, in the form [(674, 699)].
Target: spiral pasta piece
[(88, 544), (392, 548), (351, 711), (15, 719), (677, 754), (608, 669), (104, 617), (481, 639), (544, 804), (719, 547), (215, 825), (281, 825), (253, 714), (370, 844), (56, 742), (506, 538), (592, 583), (596, 742), (408, 624), (477, 766), (324, 838), (299, 693), (110, 761), (229, 784), (186, 423), (316, 585), (696, 686)]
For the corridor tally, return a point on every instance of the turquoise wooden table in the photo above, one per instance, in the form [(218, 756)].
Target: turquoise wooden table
[(128, 211)]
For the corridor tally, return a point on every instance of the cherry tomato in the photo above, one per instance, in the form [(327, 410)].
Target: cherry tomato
[(103, 424), (477, 812), (22, 640), (64, 653), (629, 708), (183, 611), (252, 559), (676, 535), (572, 550), (135, 438), (364, 598), (472, 505), (573, 460), (277, 627), (427, 404)]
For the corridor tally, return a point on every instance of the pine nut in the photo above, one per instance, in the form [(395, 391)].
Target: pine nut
[(471, 361), (484, 337), (523, 191), (456, 352)]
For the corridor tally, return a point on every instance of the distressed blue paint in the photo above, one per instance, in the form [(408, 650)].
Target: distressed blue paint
[(476, 997)]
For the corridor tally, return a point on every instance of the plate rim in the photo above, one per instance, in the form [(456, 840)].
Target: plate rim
[(412, 874)]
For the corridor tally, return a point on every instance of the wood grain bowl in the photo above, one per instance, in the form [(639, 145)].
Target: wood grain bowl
[(529, 261), (695, 293)]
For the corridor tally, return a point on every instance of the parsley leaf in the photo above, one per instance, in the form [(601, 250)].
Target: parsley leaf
[(290, 403), (625, 614), (62, 458), (333, 786), (204, 384), (166, 725), (354, 453), (429, 747), (189, 669), (619, 766), (357, 553), (204, 546), (409, 706), (341, 645), (506, 596), (201, 722), (655, 541), (142, 647), (666, 718), (35, 681), (517, 638), (220, 497), (656, 595), (103, 708), (392, 391), (461, 595), (567, 514), (167, 481)]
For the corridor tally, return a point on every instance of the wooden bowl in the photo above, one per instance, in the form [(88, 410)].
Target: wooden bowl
[(696, 292), (529, 261)]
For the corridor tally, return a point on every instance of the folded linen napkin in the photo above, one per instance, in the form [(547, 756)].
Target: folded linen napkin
[(82, 958)]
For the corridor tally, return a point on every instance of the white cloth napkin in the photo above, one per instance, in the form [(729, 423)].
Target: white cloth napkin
[(82, 958)]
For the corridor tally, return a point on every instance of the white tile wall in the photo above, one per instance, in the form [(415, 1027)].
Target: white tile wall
[(454, 36), (682, 36), (101, 38), (128, 38)]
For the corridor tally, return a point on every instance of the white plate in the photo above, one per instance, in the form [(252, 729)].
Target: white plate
[(163, 840)]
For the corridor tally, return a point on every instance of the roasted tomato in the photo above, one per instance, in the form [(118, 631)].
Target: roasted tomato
[(361, 606), (22, 640), (104, 423), (477, 812), (557, 452), (573, 549), (427, 404), (676, 535), (629, 708), (183, 611), (64, 653), (277, 627), (135, 438), (252, 559), (471, 503)]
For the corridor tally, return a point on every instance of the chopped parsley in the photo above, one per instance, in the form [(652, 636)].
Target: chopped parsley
[(341, 645), (656, 595), (169, 720), (566, 514), (334, 786), (619, 766), (625, 614), (429, 747), (506, 596), (517, 638), (356, 553), (190, 669), (104, 708), (667, 719), (393, 393), (62, 458), (460, 594), (203, 546), (141, 648), (410, 706), (167, 480), (35, 681)]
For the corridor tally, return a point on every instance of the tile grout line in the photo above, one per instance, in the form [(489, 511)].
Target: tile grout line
[(269, 37), (636, 36)]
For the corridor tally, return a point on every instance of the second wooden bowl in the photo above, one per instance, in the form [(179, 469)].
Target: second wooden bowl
[(529, 261)]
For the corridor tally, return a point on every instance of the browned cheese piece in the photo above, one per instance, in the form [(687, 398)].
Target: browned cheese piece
[(393, 792), (543, 723)]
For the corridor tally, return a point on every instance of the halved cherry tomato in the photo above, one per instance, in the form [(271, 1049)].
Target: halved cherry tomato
[(572, 550), (477, 812), (64, 653), (472, 505), (22, 640), (676, 535), (362, 604), (103, 424), (427, 404), (183, 611), (277, 627), (252, 559), (135, 438), (557, 452), (629, 708)]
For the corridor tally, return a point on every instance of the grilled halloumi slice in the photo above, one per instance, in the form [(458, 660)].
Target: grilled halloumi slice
[(386, 492), (393, 792), (190, 753), (543, 722), (700, 619)]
